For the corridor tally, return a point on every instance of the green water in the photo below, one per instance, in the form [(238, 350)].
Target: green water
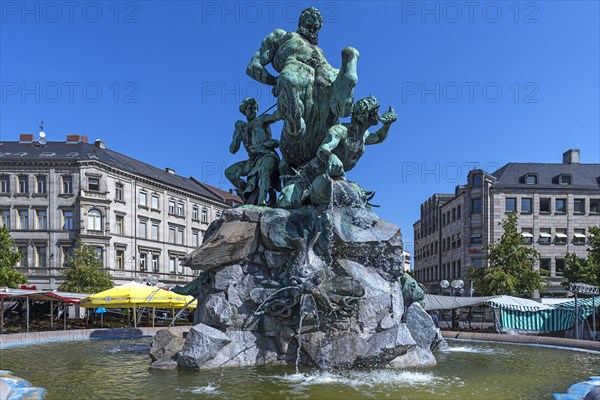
[(118, 369)]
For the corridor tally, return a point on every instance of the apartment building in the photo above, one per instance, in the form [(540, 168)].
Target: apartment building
[(141, 220), (556, 203)]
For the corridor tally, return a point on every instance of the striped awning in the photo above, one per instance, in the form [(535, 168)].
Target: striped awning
[(558, 317), (516, 303)]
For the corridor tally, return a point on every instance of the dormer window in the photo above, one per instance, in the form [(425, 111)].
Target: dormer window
[(477, 180), (564, 179), (531, 179)]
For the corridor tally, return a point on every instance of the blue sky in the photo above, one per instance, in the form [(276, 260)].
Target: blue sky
[(475, 84)]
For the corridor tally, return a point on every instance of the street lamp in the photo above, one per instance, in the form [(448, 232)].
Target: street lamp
[(456, 288)]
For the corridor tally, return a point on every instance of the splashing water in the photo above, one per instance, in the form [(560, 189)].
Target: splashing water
[(302, 304)]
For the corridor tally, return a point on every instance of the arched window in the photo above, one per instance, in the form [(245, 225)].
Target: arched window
[(94, 220)]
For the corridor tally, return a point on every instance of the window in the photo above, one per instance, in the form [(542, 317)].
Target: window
[(545, 236), (179, 267), (526, 205), (594, 206), (41, 220), (180, 209), (120, 259), (477, 180), (579, 206), (94, 184), (120, 221), (41, 184), (561, 206), (23, 219), (171, 234), (142, 229), (559, 267), (154, 233), (544, 205), (531, 179), (67, 222), (453, 243), (510, 204), (24, 261), (66, 254), (458, 212), (171, 207), (179, 237), (5, 220), (143, 201), (579, 236), (172, 264), (453, 214), (5, 184), (527, 234), (545, 266), (99, 251), (443, 219), (155, 202), (143, 261), (195, 212), (477, 262), (41, 252), (94, 220), (119, 191), (476, 206), (67, 184), (23, 184), (458, 241), (155, 267), (560, 236), (476, 236), (565, 179), (204, 215)]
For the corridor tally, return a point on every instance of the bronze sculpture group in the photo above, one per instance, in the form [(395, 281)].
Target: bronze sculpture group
[(316, 149)]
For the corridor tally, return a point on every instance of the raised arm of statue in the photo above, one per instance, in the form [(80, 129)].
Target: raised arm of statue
[(240, 126), (387, 119), (256, 68)]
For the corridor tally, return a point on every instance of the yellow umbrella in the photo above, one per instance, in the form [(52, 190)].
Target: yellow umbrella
[(133, 295)]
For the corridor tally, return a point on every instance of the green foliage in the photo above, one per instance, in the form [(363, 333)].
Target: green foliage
[(588, 270), (9, 257), (511, 265), (85, 273)]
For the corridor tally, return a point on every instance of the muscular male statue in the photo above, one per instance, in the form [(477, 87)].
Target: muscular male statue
[(261, 169), (311, 94), (340, 150)]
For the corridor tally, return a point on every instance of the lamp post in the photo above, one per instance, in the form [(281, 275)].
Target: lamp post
[(455, 288)]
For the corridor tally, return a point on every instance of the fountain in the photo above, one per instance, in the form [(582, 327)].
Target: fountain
[(310, 276)]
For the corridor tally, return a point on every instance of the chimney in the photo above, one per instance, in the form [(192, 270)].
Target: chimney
[(72, 138), (26, 138), (571, 156), (170, 171), (84, 138), (100, 144)]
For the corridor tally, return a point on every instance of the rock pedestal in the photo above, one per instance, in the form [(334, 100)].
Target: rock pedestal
[(311, 286)]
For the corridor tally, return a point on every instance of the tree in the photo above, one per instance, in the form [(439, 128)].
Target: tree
[(9, 257), (85, 273), (588, 270), (511, 265)]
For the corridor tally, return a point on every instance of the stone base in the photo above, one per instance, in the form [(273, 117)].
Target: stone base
[(317, 286)]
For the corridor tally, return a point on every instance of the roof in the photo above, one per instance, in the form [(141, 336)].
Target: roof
[(45, 295), (82, 151), (584, 176)]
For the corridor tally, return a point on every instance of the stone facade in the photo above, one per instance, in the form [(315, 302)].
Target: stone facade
[(555, 203), (142, 220)]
